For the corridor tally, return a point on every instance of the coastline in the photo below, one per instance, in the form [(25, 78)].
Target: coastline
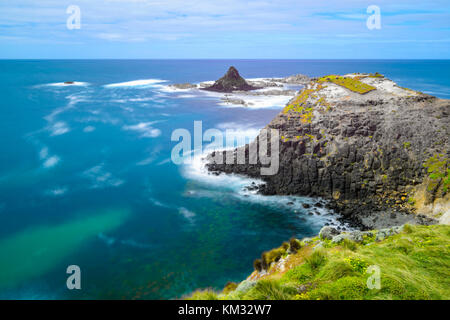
[(388, 206)]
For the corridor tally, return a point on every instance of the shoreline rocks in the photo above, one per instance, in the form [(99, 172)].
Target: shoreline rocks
[(183, 86)]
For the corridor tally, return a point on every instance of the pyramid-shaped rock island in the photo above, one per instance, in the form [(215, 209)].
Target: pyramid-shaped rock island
[(231, 81)]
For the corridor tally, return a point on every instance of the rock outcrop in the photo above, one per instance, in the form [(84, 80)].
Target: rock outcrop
[(183, 86), (230, 82), (363, 142)]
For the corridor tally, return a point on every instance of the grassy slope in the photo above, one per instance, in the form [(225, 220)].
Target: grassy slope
[(414, 264)]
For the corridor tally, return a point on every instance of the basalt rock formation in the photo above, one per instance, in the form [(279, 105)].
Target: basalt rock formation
[(230, 82), (377, 151)]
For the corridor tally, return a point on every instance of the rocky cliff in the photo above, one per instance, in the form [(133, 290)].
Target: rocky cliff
[(378, 151)]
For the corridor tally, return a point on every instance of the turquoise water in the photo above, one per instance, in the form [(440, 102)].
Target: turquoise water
[(86, 176)]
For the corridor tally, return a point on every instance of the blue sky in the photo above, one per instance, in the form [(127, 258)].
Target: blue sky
[(258, 29)]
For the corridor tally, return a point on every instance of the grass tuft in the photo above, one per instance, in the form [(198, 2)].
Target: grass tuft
[(207, 294), (316, 259)]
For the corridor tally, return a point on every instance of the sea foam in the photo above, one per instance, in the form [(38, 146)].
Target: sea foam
[(136, 83), (64, 84)]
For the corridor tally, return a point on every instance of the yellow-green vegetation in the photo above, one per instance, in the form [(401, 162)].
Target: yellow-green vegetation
[(271, 256), (439, 172), (376, 75), (413, 264), (229, 287), (308, 101), (323, 103), (300, 101), (352, 84), (300, 105), (207, 294)]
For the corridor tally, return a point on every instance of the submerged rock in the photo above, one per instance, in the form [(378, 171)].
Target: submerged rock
[(231, 81), (183, 86)]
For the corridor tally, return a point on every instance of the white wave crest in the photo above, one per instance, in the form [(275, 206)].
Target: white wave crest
[(51, 162), (59, 128), (68, 84), (136, 83), (145, 128), (100, 178)]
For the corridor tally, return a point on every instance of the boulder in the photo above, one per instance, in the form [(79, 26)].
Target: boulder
[(328, 233), (339, 238)]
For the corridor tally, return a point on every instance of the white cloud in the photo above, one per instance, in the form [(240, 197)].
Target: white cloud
[(199, 25)]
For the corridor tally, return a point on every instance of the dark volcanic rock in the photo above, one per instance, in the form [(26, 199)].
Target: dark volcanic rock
[(230, 82)]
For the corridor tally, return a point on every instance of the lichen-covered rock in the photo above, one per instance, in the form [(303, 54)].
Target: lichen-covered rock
[(328, 233), (388, 232), (245, 285), (357, 236), (339, 238), (361, 236)]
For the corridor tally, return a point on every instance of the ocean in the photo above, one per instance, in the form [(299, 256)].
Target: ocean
[(86, 176)]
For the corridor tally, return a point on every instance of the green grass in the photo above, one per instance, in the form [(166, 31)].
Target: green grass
[(270, 290), (414, 264), (207, 294), (273, 255), (439, 171)]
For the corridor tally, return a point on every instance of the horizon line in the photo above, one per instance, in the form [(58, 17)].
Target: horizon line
[(241, 59)]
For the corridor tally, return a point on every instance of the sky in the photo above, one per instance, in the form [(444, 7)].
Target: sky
[(224, 29)]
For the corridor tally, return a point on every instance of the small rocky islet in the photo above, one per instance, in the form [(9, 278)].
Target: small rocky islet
[(378, 154), (231, 81)]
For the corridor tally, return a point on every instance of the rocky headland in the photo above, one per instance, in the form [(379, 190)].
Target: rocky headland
[(378, 152)]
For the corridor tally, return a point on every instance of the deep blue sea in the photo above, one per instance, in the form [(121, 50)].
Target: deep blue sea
[(86, 176)]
